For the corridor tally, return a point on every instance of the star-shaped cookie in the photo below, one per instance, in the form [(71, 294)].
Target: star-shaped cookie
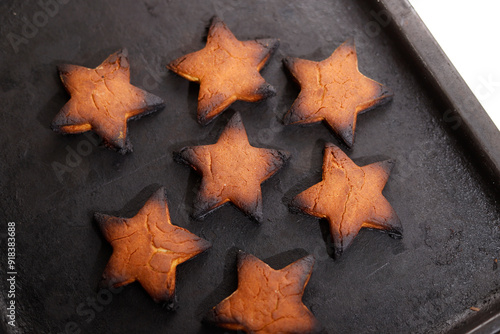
[(232, 170), (334, 91), (148, 248), (267, 300), (350, 198), (227, 70), (103, 100)]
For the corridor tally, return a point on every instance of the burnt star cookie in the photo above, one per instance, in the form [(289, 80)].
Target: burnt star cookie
[(267, 300), (334, 91), (227, 70), (232, 171), (148, 248), (103, 100), (350, 198)]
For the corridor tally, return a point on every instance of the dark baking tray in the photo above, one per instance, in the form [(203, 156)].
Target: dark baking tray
[(444, 186)]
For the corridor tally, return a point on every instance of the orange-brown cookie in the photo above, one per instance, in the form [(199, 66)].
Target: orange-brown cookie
[(147, 248), (350, 198), (227, 70), (334, 91), (267, 300), (232, 171), (103, 100)]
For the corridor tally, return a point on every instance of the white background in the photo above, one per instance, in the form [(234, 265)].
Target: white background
[(469, 33)]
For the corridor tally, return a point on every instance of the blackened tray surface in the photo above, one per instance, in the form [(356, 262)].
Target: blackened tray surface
[(425, 282)]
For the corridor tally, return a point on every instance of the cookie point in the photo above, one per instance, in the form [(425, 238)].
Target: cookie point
[(388, 164), (159, 194), (294, 204), (204, 244), (122, 147), (182, 156), (269, 43), (216, 21), (349, 43), (203, 118), (57, 122), (153, 101), (347, 136), (284, 155), (64, 68), (101, 218), (266, 90), (122, 52), (242, 255), (168, 301), (288, 62), (331, 146), (396, 232), (386, 92), (309, 258), (337, 252), (235, 120), (257, 216)]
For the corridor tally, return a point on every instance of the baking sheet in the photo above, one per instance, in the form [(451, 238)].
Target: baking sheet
[(441, 188)]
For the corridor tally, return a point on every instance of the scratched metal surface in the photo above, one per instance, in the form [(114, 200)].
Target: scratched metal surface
[(425, 282)]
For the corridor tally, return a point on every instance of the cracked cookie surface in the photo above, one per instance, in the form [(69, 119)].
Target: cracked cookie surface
[(267, 300), (232, 171), (227, 70), (147, 248), (103, 100), (350, 197), (334, 91)]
